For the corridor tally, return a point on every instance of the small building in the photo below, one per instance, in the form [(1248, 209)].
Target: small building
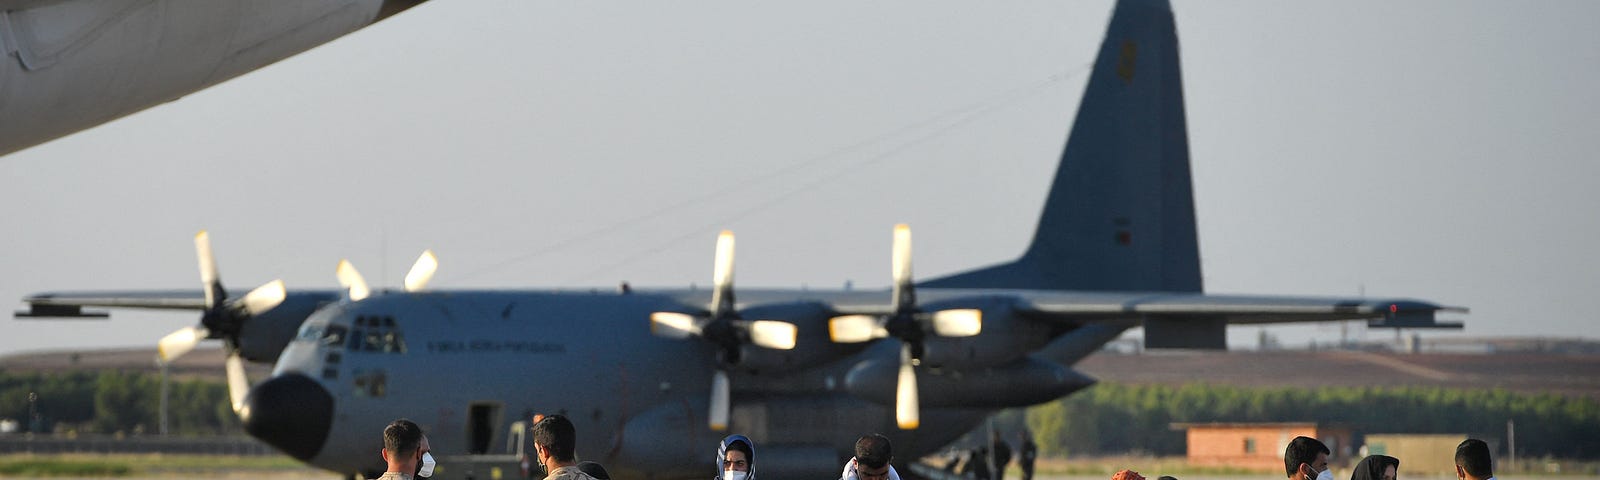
[(1257, 446), (1418, 454)]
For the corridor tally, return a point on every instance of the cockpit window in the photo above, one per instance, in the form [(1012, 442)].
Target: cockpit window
[(377, 334), (334, 336)]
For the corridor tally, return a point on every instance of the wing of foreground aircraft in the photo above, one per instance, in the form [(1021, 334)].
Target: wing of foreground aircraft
[(73, 64)]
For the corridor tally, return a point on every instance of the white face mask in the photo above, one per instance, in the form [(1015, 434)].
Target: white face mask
[(427, 465), (736, 475), (1327, 474)]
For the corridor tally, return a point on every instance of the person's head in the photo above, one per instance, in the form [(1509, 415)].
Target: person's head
[(1472, 460), (735, 458), (594, 470), (402, 445), (1127, 475), (555, 439), (1305, 457), (1167, 477), (1377, 467), (872, 457)]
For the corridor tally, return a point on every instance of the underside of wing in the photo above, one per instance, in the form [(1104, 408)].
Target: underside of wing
[(1192, 320)]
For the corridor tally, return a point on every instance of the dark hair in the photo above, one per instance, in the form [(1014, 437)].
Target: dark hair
[(1472, 455), (557, 435), (594, 470), (1301, 450), (873, 450), (401, 436), (1167, 477), (740, 446)]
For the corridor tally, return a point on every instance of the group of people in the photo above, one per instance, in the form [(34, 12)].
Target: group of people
[(1306, 458), (408, 456), (988, 462)]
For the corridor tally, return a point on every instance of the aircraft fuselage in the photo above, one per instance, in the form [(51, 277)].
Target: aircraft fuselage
[(467, 365)]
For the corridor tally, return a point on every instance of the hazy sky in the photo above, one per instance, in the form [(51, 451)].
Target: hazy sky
[(1440, 150)]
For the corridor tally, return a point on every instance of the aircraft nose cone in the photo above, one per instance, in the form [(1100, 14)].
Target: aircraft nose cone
[(291, 412)]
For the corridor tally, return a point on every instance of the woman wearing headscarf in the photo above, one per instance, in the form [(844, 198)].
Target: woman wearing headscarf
[(736, 457), (1377, 467)]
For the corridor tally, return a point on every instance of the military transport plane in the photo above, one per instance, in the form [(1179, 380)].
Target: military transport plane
[(653, 378), (72, 64)]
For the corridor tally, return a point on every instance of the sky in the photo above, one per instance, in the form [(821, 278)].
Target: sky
[(1440, 150)]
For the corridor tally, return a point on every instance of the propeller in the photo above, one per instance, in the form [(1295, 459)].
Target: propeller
[(417, 278), (722, 326), (907, 323), (222, 319)]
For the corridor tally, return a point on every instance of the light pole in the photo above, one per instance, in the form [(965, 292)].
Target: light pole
[(33, 411), (164, 391)]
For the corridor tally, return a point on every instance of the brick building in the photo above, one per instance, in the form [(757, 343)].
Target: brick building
[(1257, 446)]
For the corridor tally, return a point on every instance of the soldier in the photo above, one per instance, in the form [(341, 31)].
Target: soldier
[(1027, 452), (406, 452), (554, 442)]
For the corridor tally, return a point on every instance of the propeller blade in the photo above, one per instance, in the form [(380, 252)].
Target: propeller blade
[(719, 401), (904, 298), (265, 297), (958, 323), (905, 394), (208, 269), (673, 325), (854, 328), (722, 276), (422, 271), (351, 280), (238, 384), (773, 334), (180, 342)]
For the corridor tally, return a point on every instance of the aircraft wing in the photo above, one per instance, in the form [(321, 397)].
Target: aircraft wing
[(1176, 320), (1197, 320), (1244, 309), (71, 304)]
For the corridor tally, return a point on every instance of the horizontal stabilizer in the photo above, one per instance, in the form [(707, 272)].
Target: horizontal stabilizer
[(1407, 315)]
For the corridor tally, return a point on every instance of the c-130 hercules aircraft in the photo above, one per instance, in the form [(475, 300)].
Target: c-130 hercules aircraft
[(803, 373)]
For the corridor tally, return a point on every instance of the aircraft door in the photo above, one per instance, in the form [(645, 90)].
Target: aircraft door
[(482, 417)]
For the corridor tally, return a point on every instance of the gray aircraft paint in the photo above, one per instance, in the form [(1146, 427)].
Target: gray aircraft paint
[(74, 64), (1120, 213)]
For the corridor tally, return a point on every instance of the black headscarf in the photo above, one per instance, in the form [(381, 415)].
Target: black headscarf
[(1372, 467)]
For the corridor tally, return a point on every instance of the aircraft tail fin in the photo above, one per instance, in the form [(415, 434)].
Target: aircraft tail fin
[(1120, 213)]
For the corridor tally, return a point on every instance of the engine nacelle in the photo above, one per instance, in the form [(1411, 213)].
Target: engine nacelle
[(1026, 381), (1004, 338), (812, 346), (263, 337)]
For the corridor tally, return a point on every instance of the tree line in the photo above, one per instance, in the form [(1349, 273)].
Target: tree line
[(1108, 418), (113, 402), (1116, 418)]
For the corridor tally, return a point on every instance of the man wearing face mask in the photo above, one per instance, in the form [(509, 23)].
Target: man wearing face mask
[(736, 458), (1306, 459), (554, 442), (406, 452)]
